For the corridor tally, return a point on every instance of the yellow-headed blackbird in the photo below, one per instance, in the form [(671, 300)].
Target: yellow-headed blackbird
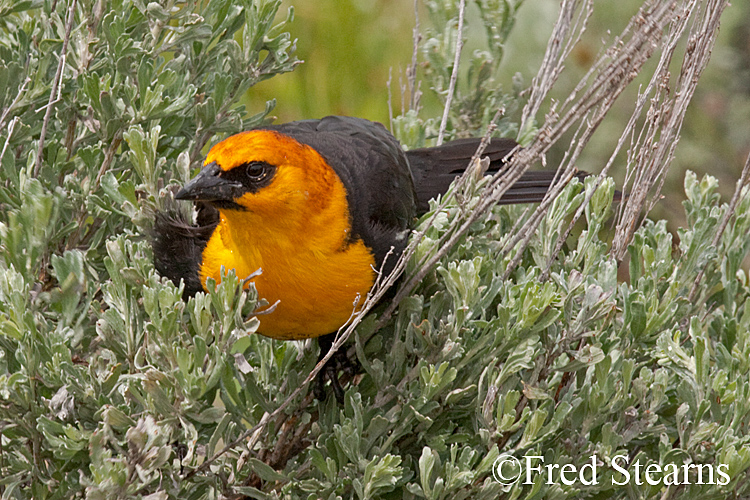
[(316, 205)]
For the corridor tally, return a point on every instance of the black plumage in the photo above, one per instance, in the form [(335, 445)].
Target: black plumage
[(178, 245)]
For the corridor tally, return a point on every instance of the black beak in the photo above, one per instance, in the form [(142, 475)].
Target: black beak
[(209, 186)]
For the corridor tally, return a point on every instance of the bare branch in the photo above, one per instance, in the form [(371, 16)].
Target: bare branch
[(449, 239), (7, 110), (454, 73), (11, 127), (109, 156), (598, 91), (390, 102), (560, 44), (411, 72), (677, 29), (54, 91), (657, 141)]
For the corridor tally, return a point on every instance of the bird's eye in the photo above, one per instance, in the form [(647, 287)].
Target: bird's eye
[(252, 175), (257, 171)]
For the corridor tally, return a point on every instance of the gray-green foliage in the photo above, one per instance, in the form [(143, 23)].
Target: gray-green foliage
[(112, 387), (478, 96), (106, 375)]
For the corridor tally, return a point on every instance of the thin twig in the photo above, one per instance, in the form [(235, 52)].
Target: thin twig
[(535, 220), (487, 136), (449, 239), (558, 48), (7, 110), (53, 95), (678, 28), (411, 71), (454, 72), (11, 127), (390, 101), (109, 156)]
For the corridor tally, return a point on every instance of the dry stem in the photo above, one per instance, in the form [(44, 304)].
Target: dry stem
[(454, 72), (55, 90), (653, 151)]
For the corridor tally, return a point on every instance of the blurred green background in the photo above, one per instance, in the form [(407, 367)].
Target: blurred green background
[(350, 47)]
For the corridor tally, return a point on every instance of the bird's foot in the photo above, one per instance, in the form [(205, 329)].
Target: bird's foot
[(339, 362)]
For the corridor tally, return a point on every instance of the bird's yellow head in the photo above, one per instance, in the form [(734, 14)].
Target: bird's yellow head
[(263, 173), (283, 209)]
